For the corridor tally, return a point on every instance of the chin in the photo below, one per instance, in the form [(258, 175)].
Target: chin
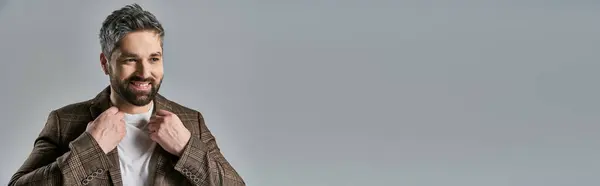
[(143, 100)]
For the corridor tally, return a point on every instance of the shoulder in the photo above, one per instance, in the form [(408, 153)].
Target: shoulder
[(70, 120), (74, 109), (180, 109)]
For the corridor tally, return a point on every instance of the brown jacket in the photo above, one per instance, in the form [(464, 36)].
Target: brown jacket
[(64, 154)]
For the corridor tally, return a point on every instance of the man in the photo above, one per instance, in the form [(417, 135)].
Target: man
[(128, 134)]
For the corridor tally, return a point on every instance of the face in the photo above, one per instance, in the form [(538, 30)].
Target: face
[(135, 67)]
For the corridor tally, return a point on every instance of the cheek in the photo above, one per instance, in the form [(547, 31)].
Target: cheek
[(123, 73), (157, 73), (119, 76)]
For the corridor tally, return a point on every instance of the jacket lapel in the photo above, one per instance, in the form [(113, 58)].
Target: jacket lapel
[(159, 157), (115, 170), (99, 104)]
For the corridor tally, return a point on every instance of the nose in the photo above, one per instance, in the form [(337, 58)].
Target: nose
[(143, 69)]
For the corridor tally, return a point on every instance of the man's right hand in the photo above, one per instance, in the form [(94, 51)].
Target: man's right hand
[(108, 129)]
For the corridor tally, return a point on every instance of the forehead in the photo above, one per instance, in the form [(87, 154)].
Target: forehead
[(141, 43)]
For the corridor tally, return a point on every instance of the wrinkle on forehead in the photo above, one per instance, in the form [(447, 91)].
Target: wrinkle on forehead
[(145, 43)]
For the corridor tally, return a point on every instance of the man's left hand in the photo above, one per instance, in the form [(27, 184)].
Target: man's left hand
[(168, 131)]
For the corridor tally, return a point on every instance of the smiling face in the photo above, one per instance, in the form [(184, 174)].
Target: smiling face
[(135, 67)]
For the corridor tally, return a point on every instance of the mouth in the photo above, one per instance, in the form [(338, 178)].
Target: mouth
[(140, 85)]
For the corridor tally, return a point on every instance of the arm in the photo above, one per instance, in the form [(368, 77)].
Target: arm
[(203, 164), (47, 166)]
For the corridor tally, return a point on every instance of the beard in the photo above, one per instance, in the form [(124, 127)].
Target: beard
[(135, 97)]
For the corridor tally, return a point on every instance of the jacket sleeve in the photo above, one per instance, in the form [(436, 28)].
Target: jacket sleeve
[(47, 165), (203, 164)]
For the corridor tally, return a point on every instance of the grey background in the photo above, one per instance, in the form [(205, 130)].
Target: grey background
[(319, 93)]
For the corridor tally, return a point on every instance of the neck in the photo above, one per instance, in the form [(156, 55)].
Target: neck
[(127, 107)]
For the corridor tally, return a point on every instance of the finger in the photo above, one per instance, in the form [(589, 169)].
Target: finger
[(89, 125), (122, 122), (112, 110), (152, 127), (153, 120), (123, 128), (163, 112), (154, 137), (154, 117), (120, 114), (156, 124), (117, 119), (157, 119)]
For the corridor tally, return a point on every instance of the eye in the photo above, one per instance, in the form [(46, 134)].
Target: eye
[(155, 59), (130, 60)]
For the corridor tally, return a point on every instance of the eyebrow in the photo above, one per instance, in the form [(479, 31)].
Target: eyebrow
[(156, 54), (126, 54)]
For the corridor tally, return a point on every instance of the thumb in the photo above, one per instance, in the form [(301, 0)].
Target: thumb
[(120, 114), (112, 110), (89, 125)]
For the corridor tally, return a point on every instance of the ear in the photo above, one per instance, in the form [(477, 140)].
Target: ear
[(104, 63)]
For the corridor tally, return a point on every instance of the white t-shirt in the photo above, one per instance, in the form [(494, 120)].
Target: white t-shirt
[(135, 150)]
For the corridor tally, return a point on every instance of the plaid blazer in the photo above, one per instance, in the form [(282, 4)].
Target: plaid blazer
[(64, 154)]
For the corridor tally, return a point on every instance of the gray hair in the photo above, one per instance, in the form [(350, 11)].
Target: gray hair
[(123, 21)]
